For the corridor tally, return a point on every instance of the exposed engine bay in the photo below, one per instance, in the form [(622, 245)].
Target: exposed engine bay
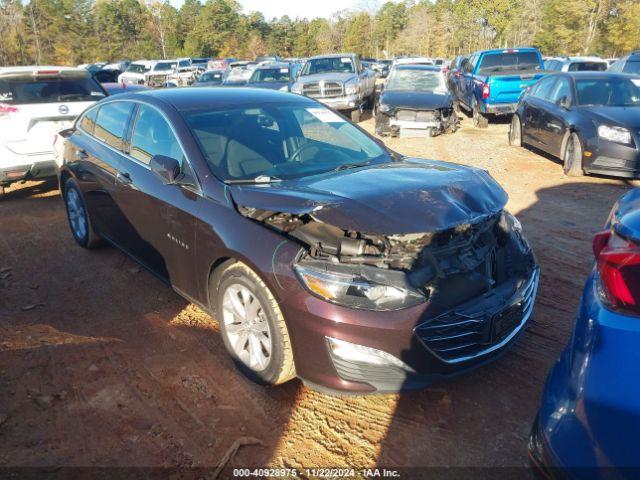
[(450, 266)]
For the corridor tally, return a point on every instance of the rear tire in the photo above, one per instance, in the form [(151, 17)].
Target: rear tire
[(479, 120), (572, 156), (252, 326), (355, 115), (515, 132), (78, 216)]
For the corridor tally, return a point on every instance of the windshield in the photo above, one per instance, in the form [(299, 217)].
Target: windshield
[(610, 92), (632, 67), (137, 68), (496, 62), (328, 65), (211, 77), (164, 66), (416, 80), (280, 141), (270, 75), (28, 90)]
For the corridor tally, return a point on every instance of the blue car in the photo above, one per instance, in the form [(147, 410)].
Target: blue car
[(491, 81), (589, 421)]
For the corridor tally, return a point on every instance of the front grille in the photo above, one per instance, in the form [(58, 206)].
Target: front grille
[(322, 89), (417, 115), (470, 332)]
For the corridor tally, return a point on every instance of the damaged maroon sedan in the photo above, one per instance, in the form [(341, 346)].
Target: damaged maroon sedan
[(322, 254)]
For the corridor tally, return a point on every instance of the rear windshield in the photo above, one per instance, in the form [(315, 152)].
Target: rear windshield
[(137, 68), (28, 90), (164, 66), (632, 67), (211, 77), (496, 62), (611, 92), (271, 75), (587, 66)]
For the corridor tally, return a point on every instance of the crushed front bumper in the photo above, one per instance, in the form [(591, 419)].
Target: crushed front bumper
[(347, 102), (401, 334)]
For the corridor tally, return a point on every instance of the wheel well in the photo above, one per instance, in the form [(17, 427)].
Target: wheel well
[(64, 176), (567, 134), (214, 272)]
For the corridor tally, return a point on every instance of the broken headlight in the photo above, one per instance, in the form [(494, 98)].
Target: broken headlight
[(355, 291), (511, 224)]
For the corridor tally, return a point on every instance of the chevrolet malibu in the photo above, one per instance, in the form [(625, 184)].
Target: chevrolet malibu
[(322, 254)]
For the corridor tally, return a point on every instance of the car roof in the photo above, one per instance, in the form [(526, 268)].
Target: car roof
[(270, 65), (333, 55), (39, 68), (198, 98), (508, 50), (594, 75), (417, 66)]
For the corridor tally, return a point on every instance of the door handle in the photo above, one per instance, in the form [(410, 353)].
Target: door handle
[(123, 178)]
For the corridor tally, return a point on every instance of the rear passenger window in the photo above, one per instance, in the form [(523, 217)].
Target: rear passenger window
[(153, 136), (111, 123), (543, 89), (88, 120)]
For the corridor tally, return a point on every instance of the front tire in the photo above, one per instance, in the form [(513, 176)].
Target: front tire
[(78, 216), (572, 156), (252, 326), (515, 132)]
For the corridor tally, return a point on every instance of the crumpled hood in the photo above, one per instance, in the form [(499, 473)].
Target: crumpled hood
[(410, 196), (416, 100), (328, 77), (627, 117)]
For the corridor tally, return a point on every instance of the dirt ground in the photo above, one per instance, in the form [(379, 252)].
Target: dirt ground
[(103, 365)]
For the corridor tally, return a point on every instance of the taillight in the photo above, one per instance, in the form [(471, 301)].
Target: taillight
[(619, 271), (6, 110), (486, 91)]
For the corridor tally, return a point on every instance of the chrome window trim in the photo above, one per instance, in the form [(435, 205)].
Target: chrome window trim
[(198, 185)]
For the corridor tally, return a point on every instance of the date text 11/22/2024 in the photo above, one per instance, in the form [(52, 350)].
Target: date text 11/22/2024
[(344, 473)]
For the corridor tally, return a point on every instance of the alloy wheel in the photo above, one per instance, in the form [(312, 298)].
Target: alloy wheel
[(246, 327), (77, 214)]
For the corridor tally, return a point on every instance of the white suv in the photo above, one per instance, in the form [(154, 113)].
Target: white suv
[(36, 103)]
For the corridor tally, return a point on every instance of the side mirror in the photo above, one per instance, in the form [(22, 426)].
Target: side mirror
[(167, 168), (564, 102)]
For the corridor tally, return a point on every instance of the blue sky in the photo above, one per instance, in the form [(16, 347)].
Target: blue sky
[(300, 8)]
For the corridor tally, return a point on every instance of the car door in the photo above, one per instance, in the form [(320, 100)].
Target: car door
[(553, 123), (534, 111), (97, 150), (162, 216)]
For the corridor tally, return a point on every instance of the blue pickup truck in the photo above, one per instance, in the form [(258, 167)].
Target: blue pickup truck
[(491, 81)]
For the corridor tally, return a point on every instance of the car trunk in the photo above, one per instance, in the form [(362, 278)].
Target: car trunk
[(31, 129)]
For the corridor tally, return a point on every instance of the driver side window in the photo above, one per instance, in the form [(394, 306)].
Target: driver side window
[(562, 89)]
